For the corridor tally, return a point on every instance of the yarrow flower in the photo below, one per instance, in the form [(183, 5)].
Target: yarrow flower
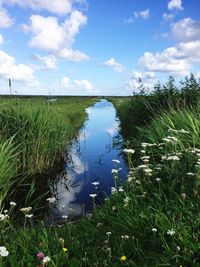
[(171, 232), (26, 210), (12, 203), (154, 230), (3, 251), (131, 151), (3, 217), (46, 259)]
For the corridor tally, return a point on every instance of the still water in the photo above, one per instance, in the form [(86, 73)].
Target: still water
[(90, 160)]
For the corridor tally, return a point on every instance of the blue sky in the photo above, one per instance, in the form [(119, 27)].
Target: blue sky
[(96, 47)]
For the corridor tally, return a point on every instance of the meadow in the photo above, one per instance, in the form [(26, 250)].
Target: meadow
[(151, 220)]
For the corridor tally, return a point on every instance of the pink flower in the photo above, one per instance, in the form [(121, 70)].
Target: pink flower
[(40, 256)]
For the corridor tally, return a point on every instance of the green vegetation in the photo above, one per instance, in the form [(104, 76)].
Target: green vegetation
[(34, 135), (153, 219)]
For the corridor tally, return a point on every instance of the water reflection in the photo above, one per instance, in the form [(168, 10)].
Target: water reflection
[(90, 160)]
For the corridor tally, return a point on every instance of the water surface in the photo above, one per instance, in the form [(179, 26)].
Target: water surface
[(90, 160)]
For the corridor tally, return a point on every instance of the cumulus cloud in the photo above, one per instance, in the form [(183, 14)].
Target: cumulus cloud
[(1, 39), (50, 62), (77, 86), (148, 80), (175, 4), (85, 85), (60, 7), (144, 14), (5, 20), (186, 30), (168, 16), (114, 65), (170, 61), (51, 36), (17, 72), (72, 55)]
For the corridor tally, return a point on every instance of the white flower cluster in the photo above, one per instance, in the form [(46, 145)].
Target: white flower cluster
[(3, 252)]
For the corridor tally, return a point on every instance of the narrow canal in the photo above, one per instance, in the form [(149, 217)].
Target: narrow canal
[(89, 164)]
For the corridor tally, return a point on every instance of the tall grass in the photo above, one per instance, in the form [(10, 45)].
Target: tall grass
[(153, 220), (140, 109), (8, 168)]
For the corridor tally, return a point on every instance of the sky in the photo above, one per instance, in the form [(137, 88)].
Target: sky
[(96, 47)]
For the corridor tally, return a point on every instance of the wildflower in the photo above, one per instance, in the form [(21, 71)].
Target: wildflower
[(129, 179), (158, 179), (183, 131), (154, 230), (5, 211), (125, 237), (12, 203), (65, 249), (3, 252), (108, 233), (51, 199), (143, 151), (99, 224), (173, 158), (93, 195), (137, 182), (113, 190), (115, 161), (121, 189), (95, 183), (40, 256), (131, 151), (178, 248), (26, 210), (190, 174), (46, 259), (3, 217), (183, 195), (29, 216), (64, 217), (123, 258), (171, 232), (126, 200), (113, 208)]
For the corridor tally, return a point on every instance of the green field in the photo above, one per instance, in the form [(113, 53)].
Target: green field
[(153, 220)]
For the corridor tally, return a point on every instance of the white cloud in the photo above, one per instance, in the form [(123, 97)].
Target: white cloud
[(17, 72), (77, 86), (144, 14), (170, 60), (50, 35), (1, 39), (148, 80), (186, 30), (167, 16), (72, 55), (175, 4), (60, 7), (66, 83), (85, 85), (5, 20), (50, 62), (114, 64)]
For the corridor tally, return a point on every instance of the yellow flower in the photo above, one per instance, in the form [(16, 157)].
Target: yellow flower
[(123, 258), (181, 265), (65, 249)]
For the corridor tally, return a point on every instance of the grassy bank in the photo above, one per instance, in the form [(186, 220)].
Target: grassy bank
[(153, 219), (39, 132)]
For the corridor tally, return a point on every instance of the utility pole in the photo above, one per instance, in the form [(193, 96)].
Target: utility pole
[(9, 81)]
